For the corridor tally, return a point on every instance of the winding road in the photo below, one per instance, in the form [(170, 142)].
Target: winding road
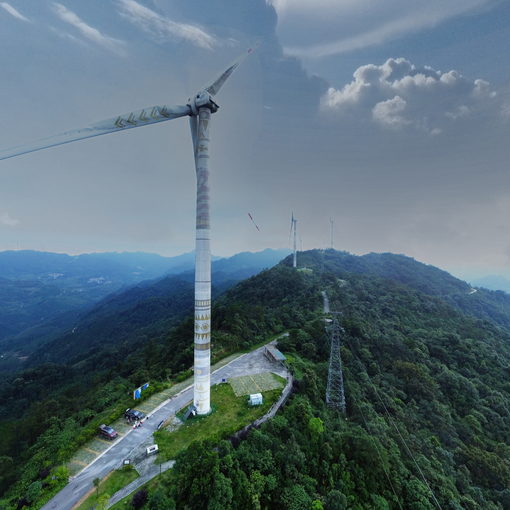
[(250, 363)]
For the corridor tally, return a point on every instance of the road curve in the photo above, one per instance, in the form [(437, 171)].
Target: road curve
[(249, 363)]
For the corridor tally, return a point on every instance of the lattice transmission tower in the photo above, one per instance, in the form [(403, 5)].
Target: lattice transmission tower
[(335, 395)]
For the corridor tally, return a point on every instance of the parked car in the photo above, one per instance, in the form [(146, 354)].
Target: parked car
[(134, 415), (107, 431)]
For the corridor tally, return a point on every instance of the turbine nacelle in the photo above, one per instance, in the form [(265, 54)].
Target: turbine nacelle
[(202, 100)]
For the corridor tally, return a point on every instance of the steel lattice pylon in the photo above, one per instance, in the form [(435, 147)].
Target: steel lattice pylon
[(335, 395)]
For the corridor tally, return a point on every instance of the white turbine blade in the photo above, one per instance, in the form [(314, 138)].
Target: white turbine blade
[(130, 120), (216, 85)]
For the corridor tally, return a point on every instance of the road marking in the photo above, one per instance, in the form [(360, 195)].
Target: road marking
[(159, 407), (105, 441), (86, 448)]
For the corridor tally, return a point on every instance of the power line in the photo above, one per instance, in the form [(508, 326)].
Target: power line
[(406, 446), (396, 427), (378, 453)]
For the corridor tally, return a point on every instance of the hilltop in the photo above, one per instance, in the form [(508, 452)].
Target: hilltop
[(485, 304)]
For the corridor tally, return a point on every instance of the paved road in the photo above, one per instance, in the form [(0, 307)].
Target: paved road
[(326, 301), (250, 363)]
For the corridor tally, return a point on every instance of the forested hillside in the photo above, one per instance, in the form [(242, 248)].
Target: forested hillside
[(428, 407), (428, 399), (481, 303), (56, 318), (42, 293)]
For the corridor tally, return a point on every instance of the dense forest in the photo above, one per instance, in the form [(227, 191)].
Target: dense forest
[(426, 368)]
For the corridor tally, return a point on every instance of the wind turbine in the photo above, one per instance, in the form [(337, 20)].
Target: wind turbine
[(199, 109), (293, 228)]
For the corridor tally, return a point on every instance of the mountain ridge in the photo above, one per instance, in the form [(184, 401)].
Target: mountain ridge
[(37, 341), (64, 283), (482, 303)]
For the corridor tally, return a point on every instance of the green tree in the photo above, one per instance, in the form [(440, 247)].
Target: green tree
[(33, 491), (336, 501), (316, 427), (418, 497), (221, 494), (158, 500), (295, 498), (96, 482), (195, 472), (102, 501)]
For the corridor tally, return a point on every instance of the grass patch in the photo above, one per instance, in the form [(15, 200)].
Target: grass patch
[(231, 414), (110, 485), (256, 383)]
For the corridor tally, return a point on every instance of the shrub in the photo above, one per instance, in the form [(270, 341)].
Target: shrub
[(139, 499)]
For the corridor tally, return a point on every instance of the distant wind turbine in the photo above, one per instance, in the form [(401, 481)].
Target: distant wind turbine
[(293, 228), (198, 109)]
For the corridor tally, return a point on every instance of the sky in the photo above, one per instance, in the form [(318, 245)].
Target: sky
[(391, 118)]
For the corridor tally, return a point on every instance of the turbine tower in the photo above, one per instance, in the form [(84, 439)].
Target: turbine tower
[(331, 230), (293, 228), (199, 109)]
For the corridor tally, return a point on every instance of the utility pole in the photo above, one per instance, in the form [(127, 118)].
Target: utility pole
[(335, 395)]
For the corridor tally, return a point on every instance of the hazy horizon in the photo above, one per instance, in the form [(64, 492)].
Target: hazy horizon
[(464, 273), (396, 129)]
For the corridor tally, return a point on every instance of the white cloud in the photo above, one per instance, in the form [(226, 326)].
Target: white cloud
[(311, 28), (13, 12), (391, 112), (164, 28), (397, 94), (7, 220), (87, 31), (70, 37)]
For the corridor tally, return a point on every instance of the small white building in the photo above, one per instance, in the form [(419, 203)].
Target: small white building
[(151, 450), (255, 399)]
